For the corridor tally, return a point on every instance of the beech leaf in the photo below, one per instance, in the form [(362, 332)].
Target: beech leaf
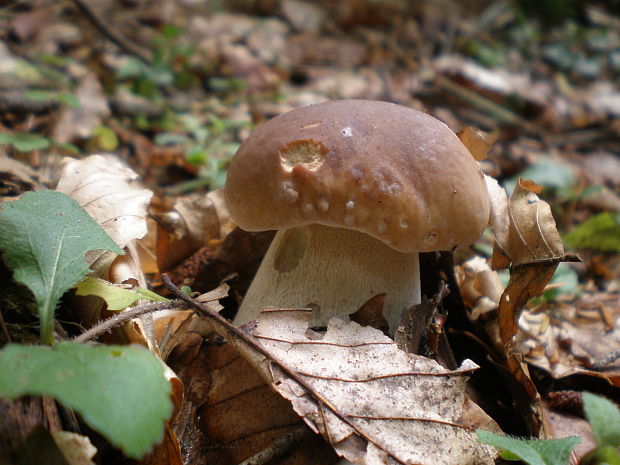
[(44, 236), (374, 403), (102, 185), (533, 246)]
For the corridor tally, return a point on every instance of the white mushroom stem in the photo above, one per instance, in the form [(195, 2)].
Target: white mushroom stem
[(333, 271)]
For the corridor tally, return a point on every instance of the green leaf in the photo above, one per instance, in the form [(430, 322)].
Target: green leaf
[(44, 236), (120, 391), (105, 138), (604, 417), (601, 233), (25, 142), (62, 97), (531, 451), (115, 296)]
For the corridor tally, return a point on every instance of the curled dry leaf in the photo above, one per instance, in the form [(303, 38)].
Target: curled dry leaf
[(477, 142), (525, 237), (105, 188), (196, 219), (373, 402)]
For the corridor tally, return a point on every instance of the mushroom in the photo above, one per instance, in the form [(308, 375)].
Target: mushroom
[(356, 189)]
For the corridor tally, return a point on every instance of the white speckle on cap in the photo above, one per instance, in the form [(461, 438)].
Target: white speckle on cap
[(404, 222), (307, 207), (394, 188), (347, 132), (350, 205), (323, 204), (288, 192), (349, 220), (431, 238)]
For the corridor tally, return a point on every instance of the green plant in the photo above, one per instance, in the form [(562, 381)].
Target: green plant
[(170, 66), (207, 145), (44, 236), (604, 418), (27, 142), (600, 232)]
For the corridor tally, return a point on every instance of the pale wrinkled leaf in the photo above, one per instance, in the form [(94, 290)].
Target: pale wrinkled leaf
[(102, 185), (77, 449), (371, 401), (499, 222)]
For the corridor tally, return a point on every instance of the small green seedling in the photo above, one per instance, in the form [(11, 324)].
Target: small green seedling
[(120, 391)]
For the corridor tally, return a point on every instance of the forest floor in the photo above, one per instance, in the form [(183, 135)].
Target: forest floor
[(173, 87)]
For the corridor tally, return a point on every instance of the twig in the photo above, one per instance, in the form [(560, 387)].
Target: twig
[(279, 448), (4, 328), (114, 36), (130, 314), (607, 360), (232, 332), (476, 100)]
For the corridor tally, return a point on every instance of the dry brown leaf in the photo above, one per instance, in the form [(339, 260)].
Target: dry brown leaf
[(106, 189), (477, 142), (17, 177), (196, 219), (525, 282), (371, 401), (230, 413), (532, 237), (80, 122), (531, 243)]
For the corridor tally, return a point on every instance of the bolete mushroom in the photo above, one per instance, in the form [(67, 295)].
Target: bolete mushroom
[(355, 189)]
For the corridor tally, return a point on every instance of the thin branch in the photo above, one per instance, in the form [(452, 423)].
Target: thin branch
[(4, 328), (110, 33), (128, 315), (607, 360)]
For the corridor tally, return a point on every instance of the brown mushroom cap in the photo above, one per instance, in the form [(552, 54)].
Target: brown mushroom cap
[(386, 170)]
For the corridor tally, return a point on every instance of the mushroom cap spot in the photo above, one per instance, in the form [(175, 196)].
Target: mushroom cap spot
[(416, 187)]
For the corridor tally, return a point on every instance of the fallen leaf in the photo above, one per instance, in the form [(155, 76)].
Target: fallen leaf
[(231, 414), (369, 399), (195, 220), (525, 283), (499, 222), (103, 186), (532, 245), (81, 121), (566, 339), (77, 449), (477, 142)]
